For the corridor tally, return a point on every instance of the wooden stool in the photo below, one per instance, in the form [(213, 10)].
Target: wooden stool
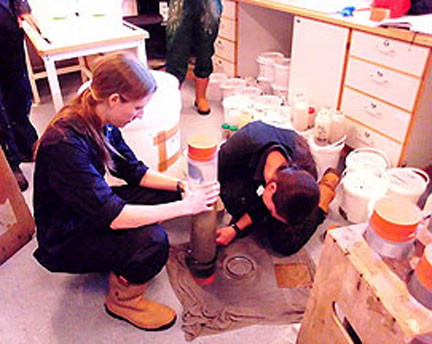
[(357, 297)]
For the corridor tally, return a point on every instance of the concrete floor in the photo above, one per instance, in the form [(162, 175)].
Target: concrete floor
[(42, 307)]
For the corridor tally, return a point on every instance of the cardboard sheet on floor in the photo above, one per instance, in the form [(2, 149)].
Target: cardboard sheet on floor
[(16, 222), (229, 302)]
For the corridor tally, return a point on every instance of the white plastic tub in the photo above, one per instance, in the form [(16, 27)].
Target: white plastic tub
[(266, 106), (266, 63), (370, 160), (326, 156), (232, 86), (214, 91), (282, 72), (235, 107)]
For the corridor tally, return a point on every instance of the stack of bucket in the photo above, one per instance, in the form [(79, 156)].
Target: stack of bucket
[(274, 71)]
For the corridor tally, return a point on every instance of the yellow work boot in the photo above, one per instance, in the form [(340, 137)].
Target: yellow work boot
[(327, 186), (201, 103), (126, 301)]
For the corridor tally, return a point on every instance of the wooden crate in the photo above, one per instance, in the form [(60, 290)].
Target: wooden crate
[(357, 291)]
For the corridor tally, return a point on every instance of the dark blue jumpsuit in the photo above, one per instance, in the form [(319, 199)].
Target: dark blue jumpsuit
[(74, 207)]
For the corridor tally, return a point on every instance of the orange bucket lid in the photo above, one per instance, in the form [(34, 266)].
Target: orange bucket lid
[(424, 268), (202, 147), (395, 219)]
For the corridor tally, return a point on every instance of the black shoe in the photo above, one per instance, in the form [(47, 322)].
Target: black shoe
[(20, 178)]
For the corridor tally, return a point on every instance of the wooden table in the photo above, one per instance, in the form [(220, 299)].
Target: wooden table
[(76, 40)]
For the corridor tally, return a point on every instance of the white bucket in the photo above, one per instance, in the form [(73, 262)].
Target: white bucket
[(370, 160), (249, 91), (359, 189), (281, 92), (231, 86), (407, 182), (214, 91), (155, 139), (266, 106), (326, 156), (235, 107), (282, 72), (266, 63)]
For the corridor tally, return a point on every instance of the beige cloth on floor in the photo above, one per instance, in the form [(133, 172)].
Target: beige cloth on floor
[(229, 303)]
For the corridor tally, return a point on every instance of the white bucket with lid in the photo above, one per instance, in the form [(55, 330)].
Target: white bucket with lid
[(231, 87), (368, 159), (326, 156), (282, 72), (249, 91), (266, 106), (359, 188), (266, 62), (406, 182), (235, 107), (214, 91)]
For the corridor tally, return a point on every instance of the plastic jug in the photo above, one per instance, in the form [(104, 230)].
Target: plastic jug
[(397, 7)]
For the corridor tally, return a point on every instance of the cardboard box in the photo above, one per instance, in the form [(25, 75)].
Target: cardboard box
[(16, 222)]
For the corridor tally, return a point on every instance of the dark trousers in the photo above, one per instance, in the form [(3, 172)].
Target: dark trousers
[(137, 254), (192, 28), (17, 135)]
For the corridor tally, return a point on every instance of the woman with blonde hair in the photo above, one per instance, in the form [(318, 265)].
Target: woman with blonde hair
[(83, 224)]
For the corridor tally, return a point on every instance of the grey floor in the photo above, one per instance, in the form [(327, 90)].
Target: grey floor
[(41, 307)]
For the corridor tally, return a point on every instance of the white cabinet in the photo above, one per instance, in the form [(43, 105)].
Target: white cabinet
[(225, 57), (384, 98), (317, 61)]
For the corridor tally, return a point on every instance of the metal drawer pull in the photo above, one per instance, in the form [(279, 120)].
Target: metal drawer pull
[(385, 47), (365, 138), (378, 77), (372, 109)]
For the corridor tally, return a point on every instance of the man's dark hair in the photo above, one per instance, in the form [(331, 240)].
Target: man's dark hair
[(297, 194)]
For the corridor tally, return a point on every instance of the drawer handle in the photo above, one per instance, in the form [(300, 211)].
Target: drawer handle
[(365, 138), (385, 47), (378, 77), (372, 109)]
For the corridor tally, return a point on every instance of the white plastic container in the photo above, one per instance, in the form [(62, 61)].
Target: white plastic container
[(299, 114), (214, 91), (322, 127), (407, 182), (326, 156), (282, 72), (155, 139), (337, 126), (266, 106), (235, 107), (371, 160), (249, 91), (266, 63), (231, 86), (358, 189), (281, 92)]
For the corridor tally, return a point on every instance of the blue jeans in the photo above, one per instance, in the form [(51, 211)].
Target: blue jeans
[(192, 28)]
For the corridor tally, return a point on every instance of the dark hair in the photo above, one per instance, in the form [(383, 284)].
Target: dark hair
[(297, 194), (120, 73)]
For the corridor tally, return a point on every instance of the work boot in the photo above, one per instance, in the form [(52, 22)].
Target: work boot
[(327, 186), (126, 301), (201, 103), (20, 178)]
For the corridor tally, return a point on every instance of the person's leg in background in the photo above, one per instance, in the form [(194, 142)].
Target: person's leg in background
[(16, 97), (205, 31), (178, 37)]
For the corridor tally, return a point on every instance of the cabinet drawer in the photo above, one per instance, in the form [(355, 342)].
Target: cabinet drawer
[(225, 49), (396, 88), (227, 29), (378, 115), (229, 9), (222, 66), (402, 56), (359, 136)]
